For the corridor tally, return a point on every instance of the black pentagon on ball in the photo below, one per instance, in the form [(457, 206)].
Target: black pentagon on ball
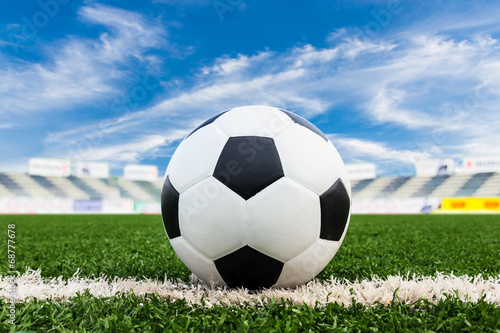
[(249, 268), (335, 204), (248, 164), (170, 209), (303, 122), (207, 122)]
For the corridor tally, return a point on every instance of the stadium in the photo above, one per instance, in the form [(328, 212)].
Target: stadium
[(250, 166), (53, 189), (138, 190)]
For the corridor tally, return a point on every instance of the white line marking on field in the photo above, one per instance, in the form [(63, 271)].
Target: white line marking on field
[(408, 289)]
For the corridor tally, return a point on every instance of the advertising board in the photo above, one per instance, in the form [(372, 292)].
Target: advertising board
[(434, 167), (21, 205), (395, 206), (359, 171), (91, 169), (481, 164), (49, 167), (140, 172)]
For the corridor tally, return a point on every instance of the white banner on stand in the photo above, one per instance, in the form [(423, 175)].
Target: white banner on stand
[(91, 170), (481, 164), (359, 171), (140, 172), (435, 167), (395, 206), (49, 167)]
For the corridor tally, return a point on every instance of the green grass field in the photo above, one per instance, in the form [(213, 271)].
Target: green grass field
[(136, 246)]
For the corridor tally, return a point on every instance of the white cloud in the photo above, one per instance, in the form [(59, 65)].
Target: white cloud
[(384, 107), (408, 84), (357, 149), (352, 47), (389, 161), (432, 56), (79, 70), (281, 84), (94, 132), (227, 65), (128, 152), (128, 25), (6, 125)]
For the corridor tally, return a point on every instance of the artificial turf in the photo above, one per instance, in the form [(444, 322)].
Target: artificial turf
[(153, 314), (136, 246)]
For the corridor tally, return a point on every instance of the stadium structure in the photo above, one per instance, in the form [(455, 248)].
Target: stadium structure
[(475, 188)]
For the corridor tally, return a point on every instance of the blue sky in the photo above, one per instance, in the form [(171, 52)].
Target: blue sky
[(390, 82)]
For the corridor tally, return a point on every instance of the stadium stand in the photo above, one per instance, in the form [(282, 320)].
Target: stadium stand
[(490, 188), (372, 189), (23, 185), (47, 184), (471, 186), (93, 191), (395, 184), (13, 187), (359, 185), (427, 188), (410, 187), (450, 186), (3, 190), (136, 191), (28, 185), (458, 185), (67, 188)]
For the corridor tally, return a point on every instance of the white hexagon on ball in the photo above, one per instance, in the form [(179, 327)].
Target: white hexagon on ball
[(283, 220), (202, 224), (256, 197)]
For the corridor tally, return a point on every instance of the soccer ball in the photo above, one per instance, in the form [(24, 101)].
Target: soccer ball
[(256, 197)]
